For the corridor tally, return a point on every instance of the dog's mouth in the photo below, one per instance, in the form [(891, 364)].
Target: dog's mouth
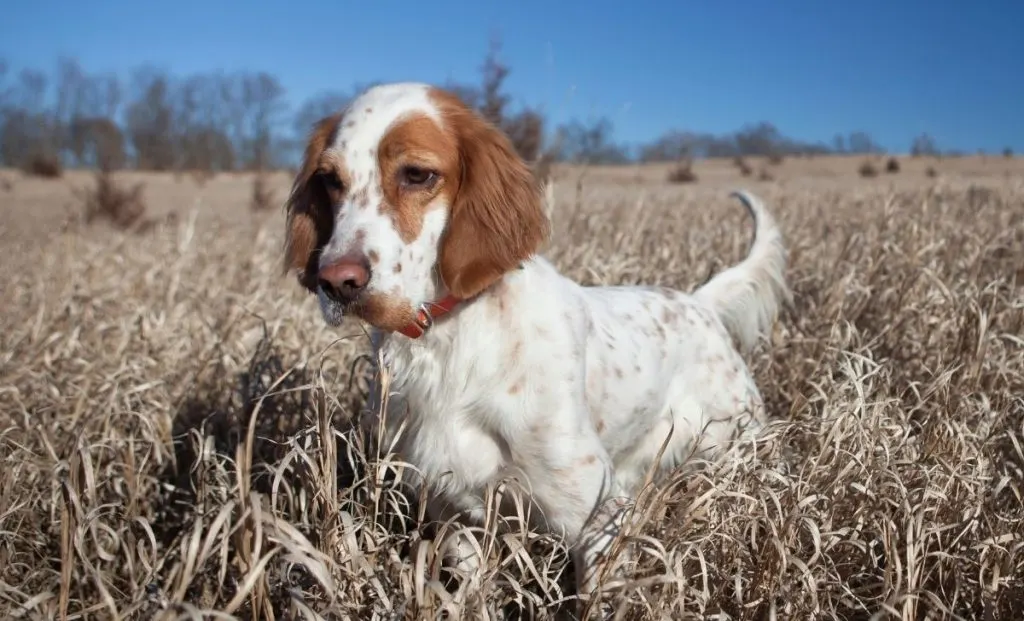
[(384, 312), (334, 311)]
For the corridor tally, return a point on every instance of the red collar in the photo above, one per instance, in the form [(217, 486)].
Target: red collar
[(427, 314)]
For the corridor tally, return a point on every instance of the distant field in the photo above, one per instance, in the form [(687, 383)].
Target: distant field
[(890, 484)]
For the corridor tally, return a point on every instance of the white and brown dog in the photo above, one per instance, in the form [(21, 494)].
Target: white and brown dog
[(414, 214)]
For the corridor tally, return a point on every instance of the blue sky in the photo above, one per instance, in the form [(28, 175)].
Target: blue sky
[(894, 69)]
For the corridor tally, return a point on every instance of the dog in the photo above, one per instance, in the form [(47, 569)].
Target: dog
[(416, 215)]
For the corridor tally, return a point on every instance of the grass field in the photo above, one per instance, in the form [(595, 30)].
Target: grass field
[(174, 412)]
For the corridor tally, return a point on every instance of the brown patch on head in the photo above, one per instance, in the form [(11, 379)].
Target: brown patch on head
[(416, 142), (310, 219), (497, 219), (373, 256)]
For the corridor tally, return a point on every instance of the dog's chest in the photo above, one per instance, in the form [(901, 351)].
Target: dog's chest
[(456, 454)]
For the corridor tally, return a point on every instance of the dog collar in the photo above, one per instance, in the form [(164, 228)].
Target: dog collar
[(427, 314)]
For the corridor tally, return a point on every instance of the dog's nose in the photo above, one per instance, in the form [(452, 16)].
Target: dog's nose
[(343, 279)]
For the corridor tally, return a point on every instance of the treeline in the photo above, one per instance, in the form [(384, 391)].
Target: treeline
[(221, 121)]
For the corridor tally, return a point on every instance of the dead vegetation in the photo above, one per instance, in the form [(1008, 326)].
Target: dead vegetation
[(892, 166), (262, 197), (682, 172), (176, 424), (114, 203), (43, 166), (867, 169), (741, 164)]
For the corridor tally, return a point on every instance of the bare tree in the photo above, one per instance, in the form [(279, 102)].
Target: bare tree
[(199, 118), (492, 99), (590, 144), (28, 131), (218, 121), (923, 144), (97, 142), (150, 121), (87, 106), (315, 108), (524, 128), (861, 143), (264, 104)]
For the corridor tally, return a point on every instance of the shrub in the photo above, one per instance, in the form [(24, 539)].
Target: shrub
[(742, 165), (542, 170), (775, 158), (867, 169), (765, 175), (892, 166), (201, 177), (117, 205), (931, 172), (262, 195), (45, 166), (1007, 152), (682, 173)]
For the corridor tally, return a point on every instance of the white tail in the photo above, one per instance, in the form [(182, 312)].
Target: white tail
[(747, 296)]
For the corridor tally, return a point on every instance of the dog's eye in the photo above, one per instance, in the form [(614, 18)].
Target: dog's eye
[(331, 180), (416, 177)]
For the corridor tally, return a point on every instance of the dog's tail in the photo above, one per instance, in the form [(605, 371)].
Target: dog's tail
[(747, 296)]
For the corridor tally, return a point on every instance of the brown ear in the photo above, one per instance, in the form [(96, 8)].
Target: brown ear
[(497, 219), (310, 219)]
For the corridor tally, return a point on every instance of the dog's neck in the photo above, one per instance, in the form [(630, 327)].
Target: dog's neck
[(447, 327)]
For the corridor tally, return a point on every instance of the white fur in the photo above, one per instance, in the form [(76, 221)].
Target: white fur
[(747, 296), (573, 389)]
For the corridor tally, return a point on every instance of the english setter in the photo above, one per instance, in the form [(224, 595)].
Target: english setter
[(414, 214)]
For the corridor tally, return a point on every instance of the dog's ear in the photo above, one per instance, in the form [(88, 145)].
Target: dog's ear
[(309, 220), (497, 219)]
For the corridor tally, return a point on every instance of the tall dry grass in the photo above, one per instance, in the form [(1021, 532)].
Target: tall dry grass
[(176, 438)]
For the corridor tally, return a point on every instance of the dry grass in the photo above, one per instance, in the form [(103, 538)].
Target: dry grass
[(176, 438)]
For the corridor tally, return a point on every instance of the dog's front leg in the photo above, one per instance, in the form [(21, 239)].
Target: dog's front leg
[(460, 549), (583, 500)]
